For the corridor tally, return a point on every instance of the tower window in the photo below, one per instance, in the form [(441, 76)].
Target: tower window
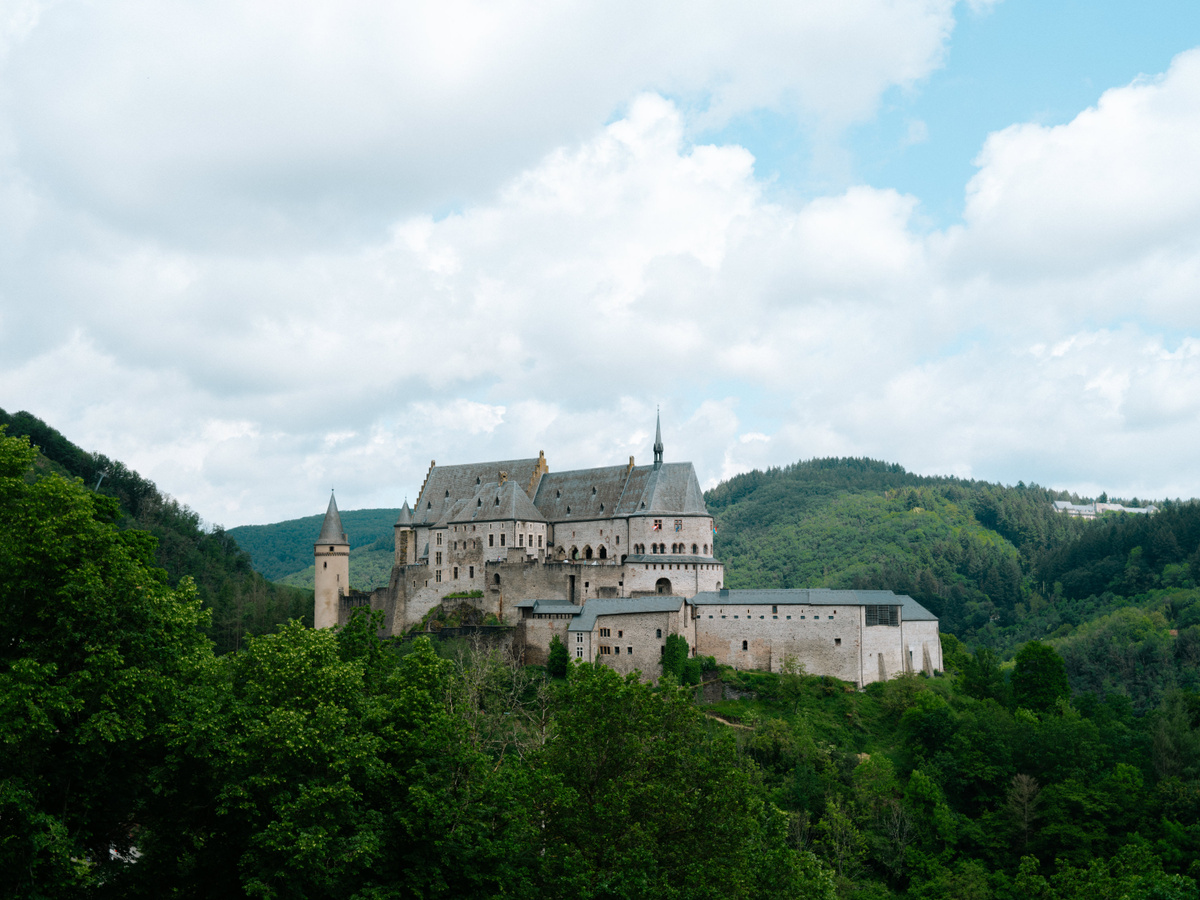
[(745, 645)]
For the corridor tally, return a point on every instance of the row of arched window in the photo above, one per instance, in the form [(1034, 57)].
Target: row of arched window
[(676, 549)]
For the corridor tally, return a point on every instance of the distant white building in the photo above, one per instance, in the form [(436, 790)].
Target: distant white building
[(1092, 510)]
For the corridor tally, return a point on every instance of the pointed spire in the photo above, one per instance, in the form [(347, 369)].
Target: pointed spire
[(658, 444), (331, 528), (405, 515)]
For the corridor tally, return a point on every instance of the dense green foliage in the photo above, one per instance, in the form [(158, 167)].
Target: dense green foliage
[(240, 599), (336, 764), (1116, 596), (284, 550)]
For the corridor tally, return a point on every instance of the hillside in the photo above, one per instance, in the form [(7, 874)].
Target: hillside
[(285, 549), (1117, 596), (241, 600)]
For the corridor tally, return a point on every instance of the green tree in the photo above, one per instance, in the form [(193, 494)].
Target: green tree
[(556, 664), (93, 647), (675, 656), (1039, 677)]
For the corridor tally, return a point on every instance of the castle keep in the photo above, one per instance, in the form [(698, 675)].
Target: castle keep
[(612, 560)]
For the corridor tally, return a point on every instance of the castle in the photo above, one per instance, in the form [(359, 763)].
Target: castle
[(612, 560)]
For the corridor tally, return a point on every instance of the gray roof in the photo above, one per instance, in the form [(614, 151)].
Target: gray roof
[(331, 528), (586, 620), (496, 503), (556, 607), (620, 491), (405, 515), (447, 485), (911, 611)]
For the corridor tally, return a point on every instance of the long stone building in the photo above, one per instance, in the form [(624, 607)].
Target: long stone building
[(612, 560)]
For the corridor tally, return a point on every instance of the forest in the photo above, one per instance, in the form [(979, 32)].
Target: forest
[(241, 600), (148, 754)]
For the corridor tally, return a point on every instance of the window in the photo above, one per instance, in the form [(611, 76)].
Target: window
[(579, 653), (456, 573), (437, 576), (603, 552), (604, 632), (629, 651), (617, 651), (539, 542), (882, 615), (470, 571), (694, 549), (438, 558), (745, 644), (679, 524), (579, 638), (491, 540), (502, 537), (620, 634), (605, 650), (439, 539), (520, 540), (837, 642), (658, 524), (530, 541), (774, 609), (658, 632)]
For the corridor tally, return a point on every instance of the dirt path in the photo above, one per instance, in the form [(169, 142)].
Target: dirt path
[(725, 721)]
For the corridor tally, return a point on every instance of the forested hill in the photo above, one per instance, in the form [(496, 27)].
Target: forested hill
[(998, 565), (241, 600), (285, 548)]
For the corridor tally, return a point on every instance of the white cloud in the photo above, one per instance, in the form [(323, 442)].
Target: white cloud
[(255, 123), (1050, 337)]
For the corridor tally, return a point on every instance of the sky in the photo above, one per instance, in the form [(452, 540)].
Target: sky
[(261, 250)]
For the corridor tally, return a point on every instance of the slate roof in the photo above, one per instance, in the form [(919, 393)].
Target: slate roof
[(911, 610), (405, 515), (620, 491), (447, 485), (553, 607), (586, 620), (331, 528), (496, 503)]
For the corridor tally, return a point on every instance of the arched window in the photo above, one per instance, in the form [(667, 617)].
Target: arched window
[(694, 550), (574, 553), (587, 552), (603, 552), (662, 586), (496, 579), (706, 549)]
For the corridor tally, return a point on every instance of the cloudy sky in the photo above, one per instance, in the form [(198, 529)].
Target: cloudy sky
[(257, 250)]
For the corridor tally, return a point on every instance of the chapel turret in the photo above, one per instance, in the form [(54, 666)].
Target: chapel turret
[(331, 556)]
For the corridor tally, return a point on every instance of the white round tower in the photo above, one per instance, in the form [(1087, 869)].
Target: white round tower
[(331, 554)]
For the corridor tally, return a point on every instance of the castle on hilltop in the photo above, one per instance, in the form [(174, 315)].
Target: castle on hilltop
[(612, 560)]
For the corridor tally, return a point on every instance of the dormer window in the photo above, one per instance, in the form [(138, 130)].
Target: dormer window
[(593, 490), (497, 501), (558, 495), (478, 503), (478, 480), (568, 510), (447, 493), (601, 507)]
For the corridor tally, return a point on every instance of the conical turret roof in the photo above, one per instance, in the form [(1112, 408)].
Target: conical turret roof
[(405, 515), (331, 528)]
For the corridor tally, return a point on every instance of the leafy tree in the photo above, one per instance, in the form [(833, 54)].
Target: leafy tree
[(93, 648), (675, 656), (559, 659), (1039, 677)]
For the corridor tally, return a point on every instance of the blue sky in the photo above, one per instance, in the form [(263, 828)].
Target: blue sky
[(1014, 61), (255, 251)]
